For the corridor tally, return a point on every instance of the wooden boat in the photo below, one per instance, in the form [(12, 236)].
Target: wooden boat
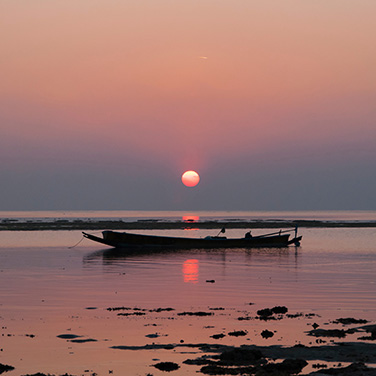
[(134, 241)]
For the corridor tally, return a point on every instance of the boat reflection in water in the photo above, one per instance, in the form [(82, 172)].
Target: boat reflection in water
[(190, 271)]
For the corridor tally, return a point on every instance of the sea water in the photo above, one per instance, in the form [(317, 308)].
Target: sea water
[(128, 215), (48, 289)]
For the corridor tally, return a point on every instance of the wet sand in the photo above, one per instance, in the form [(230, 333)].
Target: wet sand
[(326, 354)]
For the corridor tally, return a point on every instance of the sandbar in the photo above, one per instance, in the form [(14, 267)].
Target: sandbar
[(93, 224)]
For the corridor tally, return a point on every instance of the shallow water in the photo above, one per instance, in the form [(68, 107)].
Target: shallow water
[(132, 215), (46, 290)]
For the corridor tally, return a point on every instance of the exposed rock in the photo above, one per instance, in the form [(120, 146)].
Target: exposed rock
[(349, 320), (167, 366), (83, 340), (125, 309), (372, 337), (240, 356), (5, 368), (154, 335), (203, 360), (162, 310), (132, 314), (369, 329), (338, 333), (354, 369), (68, 336), (214, 369), (294, 315), (244, 318), (266, 312), (247, 362), (238, 333), (267, 334), (280, 309), (43, 374), (200, 313), (218, 336), (287, 367)]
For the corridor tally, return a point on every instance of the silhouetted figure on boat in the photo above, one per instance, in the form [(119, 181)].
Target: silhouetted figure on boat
[(248, 235)]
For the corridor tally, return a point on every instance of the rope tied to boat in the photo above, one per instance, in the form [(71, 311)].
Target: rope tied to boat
[(73, 246), (83, 237)]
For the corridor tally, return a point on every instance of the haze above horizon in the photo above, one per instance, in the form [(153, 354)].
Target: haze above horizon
[(104, 104)]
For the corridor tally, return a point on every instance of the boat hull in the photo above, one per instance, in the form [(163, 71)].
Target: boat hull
[(128, 240)]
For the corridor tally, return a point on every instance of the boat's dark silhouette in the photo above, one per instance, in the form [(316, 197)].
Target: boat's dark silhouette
[(134, 241)]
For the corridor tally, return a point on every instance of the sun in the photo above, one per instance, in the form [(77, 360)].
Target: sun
[(190, 178)]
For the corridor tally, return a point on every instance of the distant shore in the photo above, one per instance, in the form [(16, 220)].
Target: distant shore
[(145, 224)]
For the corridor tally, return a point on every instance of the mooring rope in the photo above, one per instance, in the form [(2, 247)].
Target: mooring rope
[(77, 243)]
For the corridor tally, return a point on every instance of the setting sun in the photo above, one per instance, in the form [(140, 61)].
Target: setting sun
[(190, 178)]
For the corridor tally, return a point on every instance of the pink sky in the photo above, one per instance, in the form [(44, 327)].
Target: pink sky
[(163, 86)]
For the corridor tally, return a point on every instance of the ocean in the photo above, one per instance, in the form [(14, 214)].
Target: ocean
[(84, 308), (132, 215)]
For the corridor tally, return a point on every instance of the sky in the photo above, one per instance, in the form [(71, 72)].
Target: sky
[(105, 103)]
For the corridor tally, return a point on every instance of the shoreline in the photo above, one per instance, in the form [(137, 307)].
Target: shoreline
[(150, 224)]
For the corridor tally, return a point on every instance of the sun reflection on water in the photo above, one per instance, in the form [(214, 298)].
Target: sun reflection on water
[(190, 218), (190, 271)]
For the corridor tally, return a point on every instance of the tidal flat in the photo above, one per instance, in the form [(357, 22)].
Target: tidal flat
[(94, 225), (90, 310)]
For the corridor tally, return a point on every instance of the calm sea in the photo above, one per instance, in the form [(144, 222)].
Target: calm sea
[(333, 215), (48, 289)]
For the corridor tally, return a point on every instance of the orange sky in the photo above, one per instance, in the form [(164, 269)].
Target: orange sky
[(170, 86)]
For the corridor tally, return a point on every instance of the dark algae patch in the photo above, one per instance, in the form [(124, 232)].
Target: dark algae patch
[(168, 309), (68, 336), (279, 309), (132, 314), (48, 374), (267, 334), (75, 338), (199, 313), (83, 340), (268, 313), (167, 366), (354, 369), (238, 356), (218, 336), (338, 333), (241, 361), (238, 333), (135, 311), (126, 309), (5, 368), (349, 321)]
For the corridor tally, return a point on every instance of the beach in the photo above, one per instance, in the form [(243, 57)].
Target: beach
[(93, 310)]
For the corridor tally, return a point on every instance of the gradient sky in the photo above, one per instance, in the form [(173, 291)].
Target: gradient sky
[(105, 103)]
